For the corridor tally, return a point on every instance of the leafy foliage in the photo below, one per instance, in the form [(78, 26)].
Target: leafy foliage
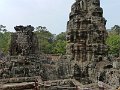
[(61, 36), (4, 39), (50, 43), (113, 41), (60, 45), (45, 39), (115, 30)]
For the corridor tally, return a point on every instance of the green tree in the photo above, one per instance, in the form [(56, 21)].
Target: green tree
[(60, 47), (113, 41), (4, 39), (61, 36), (45, 39), (50, 43), (60, 43), (116, 30), (2, 28)]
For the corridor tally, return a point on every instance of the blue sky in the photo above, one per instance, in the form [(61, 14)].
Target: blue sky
[(50, 13)]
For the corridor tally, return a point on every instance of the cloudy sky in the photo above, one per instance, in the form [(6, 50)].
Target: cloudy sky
[(50, 13)]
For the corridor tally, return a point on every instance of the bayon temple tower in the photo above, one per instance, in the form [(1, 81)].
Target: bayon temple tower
[(86, 48), (86, 32)]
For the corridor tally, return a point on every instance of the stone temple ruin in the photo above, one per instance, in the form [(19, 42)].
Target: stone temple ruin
[(23, 53), (86, 35), (85, 66), (86, 49)]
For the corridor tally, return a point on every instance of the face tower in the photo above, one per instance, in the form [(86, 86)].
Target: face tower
[(86, 35), (24, 52)]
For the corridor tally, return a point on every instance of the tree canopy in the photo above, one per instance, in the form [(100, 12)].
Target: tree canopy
[(50, 43), (113, 40), (4, 39)]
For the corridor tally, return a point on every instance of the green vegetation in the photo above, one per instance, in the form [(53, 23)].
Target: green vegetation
[(45, 39), (50, 43), (113, 40), (55, 44), (4, 39), (60, 43)]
